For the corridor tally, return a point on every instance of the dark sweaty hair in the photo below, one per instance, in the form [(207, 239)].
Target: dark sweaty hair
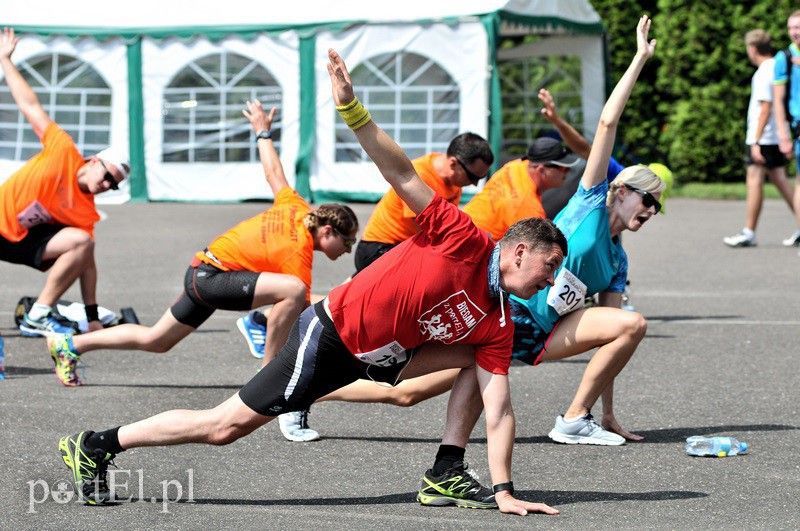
[(469, 147), (538, 233)]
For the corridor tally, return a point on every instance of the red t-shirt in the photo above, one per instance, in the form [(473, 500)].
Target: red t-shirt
[(431, 287)]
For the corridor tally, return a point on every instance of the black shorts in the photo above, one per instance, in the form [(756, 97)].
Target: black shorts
[(207, 288), (313, 362), (771, 152), (368, 252), (30, 249)]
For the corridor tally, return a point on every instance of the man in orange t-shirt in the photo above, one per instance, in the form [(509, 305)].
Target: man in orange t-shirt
[(47, 211), (515, 191), (466, 162)]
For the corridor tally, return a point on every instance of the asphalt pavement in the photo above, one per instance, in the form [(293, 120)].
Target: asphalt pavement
[(720, 358)]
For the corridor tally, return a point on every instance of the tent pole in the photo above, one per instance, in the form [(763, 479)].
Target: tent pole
[(308, 117), (492, 24), (138, 179)]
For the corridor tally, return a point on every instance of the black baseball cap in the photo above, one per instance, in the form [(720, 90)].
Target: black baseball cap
[(550, 151)]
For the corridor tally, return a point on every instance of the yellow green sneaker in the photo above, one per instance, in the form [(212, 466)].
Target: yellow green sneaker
[(457, 486), (65, 359), (89, 468)]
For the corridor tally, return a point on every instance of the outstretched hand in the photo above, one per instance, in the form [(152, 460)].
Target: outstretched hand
[(643, 47), (549, 111), (7, 43), (341, 86), (509, 504), (259, 120), (611, 424)]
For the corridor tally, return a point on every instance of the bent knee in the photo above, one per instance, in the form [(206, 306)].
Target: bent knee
[(225, 435), (399, 397), (296, 292), (636, 324)]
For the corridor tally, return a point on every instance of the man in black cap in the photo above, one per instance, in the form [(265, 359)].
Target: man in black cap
[(515, 191)]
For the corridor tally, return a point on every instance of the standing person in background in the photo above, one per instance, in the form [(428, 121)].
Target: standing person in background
[(762, 154), (786, 95), (47, 211)]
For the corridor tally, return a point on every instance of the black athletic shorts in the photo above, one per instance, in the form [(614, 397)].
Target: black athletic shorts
[(207, 288), (313, 362), (29, 250), (368, 252), (771, 152)]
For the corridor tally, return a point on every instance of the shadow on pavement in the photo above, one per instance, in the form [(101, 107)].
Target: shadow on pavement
[(167, 386), (14, 371), (690, 317)]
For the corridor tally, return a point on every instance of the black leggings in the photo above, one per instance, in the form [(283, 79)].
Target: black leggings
[(207, 288)]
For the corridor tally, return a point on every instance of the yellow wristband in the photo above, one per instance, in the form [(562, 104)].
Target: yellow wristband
[(354, 114)]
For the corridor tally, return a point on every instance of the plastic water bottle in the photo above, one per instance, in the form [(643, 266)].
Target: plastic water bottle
[(714, 446), (627, 304), (2, 361)]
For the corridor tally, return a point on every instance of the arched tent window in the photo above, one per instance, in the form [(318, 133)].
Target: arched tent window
[(520, 81), (72, 93), (202, 109), (412, 98)]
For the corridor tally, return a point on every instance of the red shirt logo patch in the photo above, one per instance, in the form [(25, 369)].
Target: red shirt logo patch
[(450, 320)]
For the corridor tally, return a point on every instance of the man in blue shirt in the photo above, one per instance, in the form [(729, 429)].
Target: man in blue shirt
[(786, 140)]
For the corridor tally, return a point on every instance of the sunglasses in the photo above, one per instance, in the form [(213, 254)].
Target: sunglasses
[(474, 179), (347, 241), (108, 177), (648, 200)]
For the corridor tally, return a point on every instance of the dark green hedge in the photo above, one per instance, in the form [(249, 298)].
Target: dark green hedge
[(690, 103)]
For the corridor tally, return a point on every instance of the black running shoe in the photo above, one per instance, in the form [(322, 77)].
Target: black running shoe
[(458, 486), (88, 467)]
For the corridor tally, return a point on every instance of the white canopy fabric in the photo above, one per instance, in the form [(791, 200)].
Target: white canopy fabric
[(176, 13)]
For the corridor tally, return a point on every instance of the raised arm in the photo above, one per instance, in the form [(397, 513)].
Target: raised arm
[(597, 163), (572, 138), (261, 122), (23, 95), (393, 163)]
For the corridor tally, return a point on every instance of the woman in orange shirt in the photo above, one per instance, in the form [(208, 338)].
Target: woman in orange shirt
[(263, 260)]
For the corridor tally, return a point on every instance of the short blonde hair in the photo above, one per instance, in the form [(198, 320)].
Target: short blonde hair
[(760, 39), (639, 177)]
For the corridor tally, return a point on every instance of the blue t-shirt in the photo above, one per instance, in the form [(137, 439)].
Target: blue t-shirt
[(594, 257), (614, 167), (781, 77)]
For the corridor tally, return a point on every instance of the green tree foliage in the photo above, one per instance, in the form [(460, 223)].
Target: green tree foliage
[(691, 100)]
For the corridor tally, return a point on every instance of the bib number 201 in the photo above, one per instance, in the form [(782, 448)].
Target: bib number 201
[(567, 293)]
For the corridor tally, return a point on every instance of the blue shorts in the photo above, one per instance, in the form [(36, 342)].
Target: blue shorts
[(797, 152), (530, 341)]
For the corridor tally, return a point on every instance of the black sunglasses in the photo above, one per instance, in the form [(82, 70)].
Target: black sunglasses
[(648, 200), (474, 179), (109, 177), (347, 241)]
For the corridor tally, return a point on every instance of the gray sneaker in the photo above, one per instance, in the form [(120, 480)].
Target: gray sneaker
[(583, 430), (740, 240), (294, 426)]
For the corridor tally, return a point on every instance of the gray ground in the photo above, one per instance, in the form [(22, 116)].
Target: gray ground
[(720, 357)]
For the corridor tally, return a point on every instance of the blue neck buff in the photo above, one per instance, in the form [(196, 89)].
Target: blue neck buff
[(493, 276)]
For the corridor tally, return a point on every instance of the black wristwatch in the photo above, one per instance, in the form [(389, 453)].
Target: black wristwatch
[(500, 487), (266, 134)]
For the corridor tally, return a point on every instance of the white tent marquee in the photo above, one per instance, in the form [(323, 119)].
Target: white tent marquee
[(168, 80)]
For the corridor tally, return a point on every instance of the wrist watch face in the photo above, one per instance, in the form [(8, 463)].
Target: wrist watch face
[(264, 134)]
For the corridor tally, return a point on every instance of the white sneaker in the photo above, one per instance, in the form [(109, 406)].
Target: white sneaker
[(740, 240), (792, 240), (294, 427), (583, 430)]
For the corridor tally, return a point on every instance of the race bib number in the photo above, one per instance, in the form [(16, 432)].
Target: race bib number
[(567, 293), (386, 356), (33, 215)]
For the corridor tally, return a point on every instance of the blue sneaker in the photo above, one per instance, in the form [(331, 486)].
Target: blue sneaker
[(253, 333), (45, 326)]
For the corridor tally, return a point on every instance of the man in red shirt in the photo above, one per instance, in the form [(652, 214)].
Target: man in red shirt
[(436, 301), (47, 211)]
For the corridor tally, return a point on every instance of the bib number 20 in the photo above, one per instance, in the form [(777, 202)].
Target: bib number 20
[(567, 293)]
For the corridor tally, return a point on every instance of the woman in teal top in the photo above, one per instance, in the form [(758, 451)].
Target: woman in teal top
[(554, 325)]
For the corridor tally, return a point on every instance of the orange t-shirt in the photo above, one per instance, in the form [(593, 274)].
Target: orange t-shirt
[(392, 221), (275, 241), (45, 190), (508, 197)]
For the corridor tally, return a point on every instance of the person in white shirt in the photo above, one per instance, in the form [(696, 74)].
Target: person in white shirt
[(762, 153)]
